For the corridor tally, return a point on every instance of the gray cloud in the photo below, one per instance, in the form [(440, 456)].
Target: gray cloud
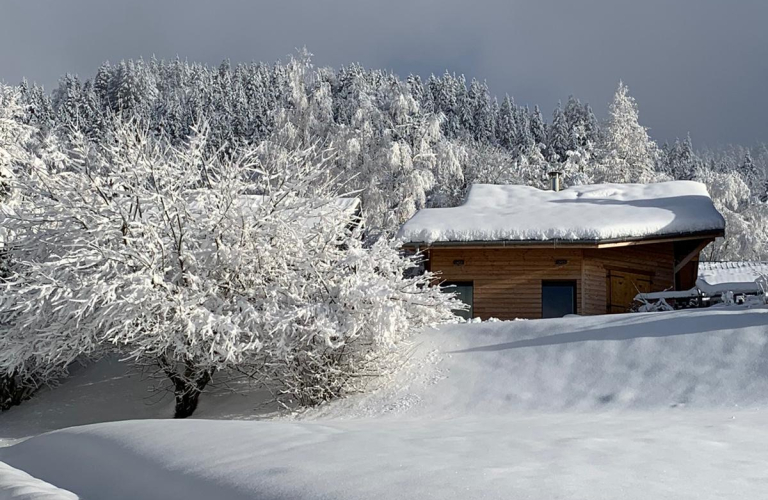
[(697, 66)]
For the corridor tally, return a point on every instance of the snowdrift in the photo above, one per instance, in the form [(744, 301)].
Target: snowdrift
[(665, 405), (18, 485)]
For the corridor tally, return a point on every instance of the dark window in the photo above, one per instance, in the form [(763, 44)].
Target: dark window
[(558, 298), (464, 292)]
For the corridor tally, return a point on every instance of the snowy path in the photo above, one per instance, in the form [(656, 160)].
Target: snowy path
[(663, 406)]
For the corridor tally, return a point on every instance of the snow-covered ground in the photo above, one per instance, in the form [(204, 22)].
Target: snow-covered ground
[(18, 485), (662, 405)]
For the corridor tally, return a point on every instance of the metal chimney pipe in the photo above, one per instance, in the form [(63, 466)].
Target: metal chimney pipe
[(554, 180)]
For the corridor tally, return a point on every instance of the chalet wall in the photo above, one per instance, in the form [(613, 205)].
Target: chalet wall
[(657, 261), (507, 281)]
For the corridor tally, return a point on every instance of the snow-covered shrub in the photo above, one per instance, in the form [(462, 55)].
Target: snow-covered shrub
[(197, 263), (342, 311)]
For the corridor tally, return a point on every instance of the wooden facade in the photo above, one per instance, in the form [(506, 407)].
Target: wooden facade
[(507, 282)]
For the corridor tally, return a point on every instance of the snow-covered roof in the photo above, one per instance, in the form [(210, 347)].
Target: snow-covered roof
[(738, 277), (593, 213)]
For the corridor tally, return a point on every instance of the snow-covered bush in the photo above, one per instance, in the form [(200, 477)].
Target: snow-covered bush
[(199, 262), (343, 310)]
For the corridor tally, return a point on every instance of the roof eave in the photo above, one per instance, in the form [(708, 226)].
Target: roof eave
[(561, 243)]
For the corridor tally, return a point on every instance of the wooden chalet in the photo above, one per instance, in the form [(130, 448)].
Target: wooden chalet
[(520, 252)]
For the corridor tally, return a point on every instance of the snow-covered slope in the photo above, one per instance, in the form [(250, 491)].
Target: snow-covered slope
[(664, 405), (710, 358), (593, 212)]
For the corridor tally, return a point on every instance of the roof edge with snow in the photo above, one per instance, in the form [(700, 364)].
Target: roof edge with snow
[(586, 216), (555, 243)]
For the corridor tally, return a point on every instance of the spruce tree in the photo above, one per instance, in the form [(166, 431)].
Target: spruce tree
[(559, 140), (630, 154)]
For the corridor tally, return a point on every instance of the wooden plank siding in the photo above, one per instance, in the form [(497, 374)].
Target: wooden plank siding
[(507, 281), (657, 261)]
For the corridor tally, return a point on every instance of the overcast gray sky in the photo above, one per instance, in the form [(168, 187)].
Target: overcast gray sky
[(698, 66)]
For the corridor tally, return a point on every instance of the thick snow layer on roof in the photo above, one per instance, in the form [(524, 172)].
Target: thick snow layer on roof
[(737, 277), (580, 213)]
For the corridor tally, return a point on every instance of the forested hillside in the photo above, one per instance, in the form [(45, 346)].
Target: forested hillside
[(402, 143)]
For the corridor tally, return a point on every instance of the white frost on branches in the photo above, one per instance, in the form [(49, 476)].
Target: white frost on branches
[(180, 258), (630, 154)]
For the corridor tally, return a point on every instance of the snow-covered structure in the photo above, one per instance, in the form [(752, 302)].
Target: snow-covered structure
[(717, 278), (517, 251)]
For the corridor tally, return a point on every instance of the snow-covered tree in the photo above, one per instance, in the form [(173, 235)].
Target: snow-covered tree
[(506, 124), (14, 136), (537, 128), (198, 264), (629, 154), (559, 140)]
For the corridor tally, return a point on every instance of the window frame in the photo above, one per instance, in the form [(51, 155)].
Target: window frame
[(457, 283), (570, 283)]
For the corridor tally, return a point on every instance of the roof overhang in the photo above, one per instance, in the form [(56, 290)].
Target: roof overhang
[(562, 243)]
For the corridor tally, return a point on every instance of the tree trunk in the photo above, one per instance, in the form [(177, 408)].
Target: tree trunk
[(186, 402), (187, 387), (13, 391)]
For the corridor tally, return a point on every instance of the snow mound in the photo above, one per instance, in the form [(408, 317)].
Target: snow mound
[(581, 213), (700, 358), (18, 485)]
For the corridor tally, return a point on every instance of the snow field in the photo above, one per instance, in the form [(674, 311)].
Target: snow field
[(662, 405)]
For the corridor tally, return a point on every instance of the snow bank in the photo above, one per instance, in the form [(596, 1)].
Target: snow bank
[(664, 406), (580, 213), (18, 485), (697, 358), (738, 277)]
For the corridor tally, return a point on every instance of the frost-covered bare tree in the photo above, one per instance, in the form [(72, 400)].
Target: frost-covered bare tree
[(197, 263)]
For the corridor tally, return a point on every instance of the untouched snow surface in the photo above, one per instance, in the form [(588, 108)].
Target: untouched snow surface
[(579, 213), (18, 485), (663, 406)]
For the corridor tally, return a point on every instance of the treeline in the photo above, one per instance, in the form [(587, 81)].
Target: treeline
[(402, 143)]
